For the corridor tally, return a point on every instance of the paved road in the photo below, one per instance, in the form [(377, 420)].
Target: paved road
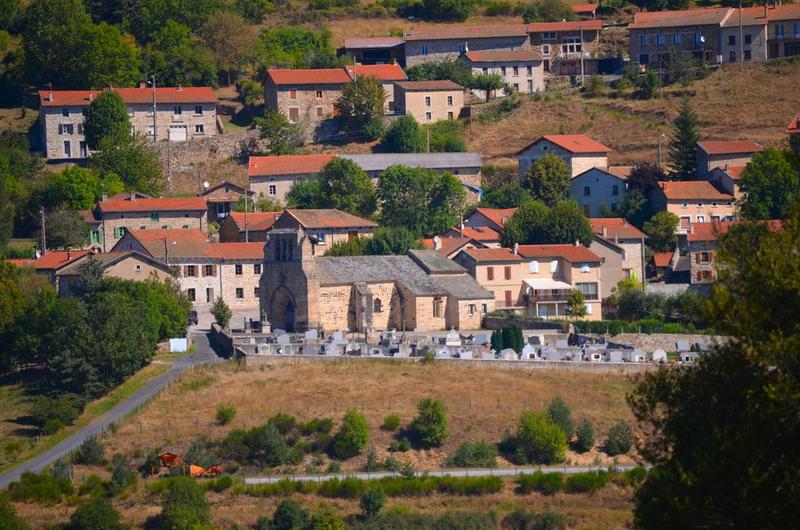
[(203, 354), (502, 472)]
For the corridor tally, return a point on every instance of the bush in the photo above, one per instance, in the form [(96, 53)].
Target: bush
[(184, 505), (225, 414), (400, 446), (391, 423), (524, 519), (9, 517), (41, 488), (352, 437), (372, 502), (430, 425), (544, 483), (404, 136), (633, 477), (289, 515), (52, 413), (620, 438), (539, 440), (90, 453), (122, 476), (219, 484), (96, 514), (316, 425), (559, 413), (474, 454), (92, 486), (584, 440), (588, 482), (283, 422), (594, 87)]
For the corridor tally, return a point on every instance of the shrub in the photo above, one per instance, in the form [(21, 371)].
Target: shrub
[(372, 502), (400, 446), (588, 482), (391, 423), (352, 437), (544, 483), (219, 484), (96, 514), (121, 475), (539, 440), (52, 413), (283, 422), (316, 425), (430, 425), (41, 488), (620, 438), (560, 414), (334, 467), (267, 446), (9, 517), (474, 454), (594, 87), (635, 476), (584, 440), (90, 453), (184, 505), (524, 519), (92, 486), (221, 312), (288, 516), (225, 414)]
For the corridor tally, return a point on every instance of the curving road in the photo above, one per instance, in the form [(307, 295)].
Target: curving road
[(203, 354)]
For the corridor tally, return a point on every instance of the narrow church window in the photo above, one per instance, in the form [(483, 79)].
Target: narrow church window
[(437, 307), (376, 306)]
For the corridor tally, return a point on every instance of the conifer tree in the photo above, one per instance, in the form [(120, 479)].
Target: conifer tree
[(683, 143)]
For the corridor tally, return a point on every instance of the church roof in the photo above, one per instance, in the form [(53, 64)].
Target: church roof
[(435, 263)]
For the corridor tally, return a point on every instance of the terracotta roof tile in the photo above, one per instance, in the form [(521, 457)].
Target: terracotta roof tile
[(688, 17), (446, 32), (574, 25), (794, 125), (622, 172), (416, 86), (571, 253), (662, 259), (328, 218), (166, 204), (239, 251), (21, 262), (615, 227), (574, 143), (448, 244), (784, 12), (503, 56), (256, 221), (267, 166), (311, 76), (498, 216), (730, 147), (584, 8), (751, 16), (478, 233), (165, 95), (735, 172), (55, 259), (692, 189), (713, 231), (492, 254), (180, 243), (384, 72)]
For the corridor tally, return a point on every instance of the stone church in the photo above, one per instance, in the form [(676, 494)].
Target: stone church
[(423, 291)]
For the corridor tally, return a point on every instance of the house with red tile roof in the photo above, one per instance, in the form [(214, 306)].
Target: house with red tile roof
[(597, 191), (221, 199), (585, 10), (523, 70), (727, 179), (119, 215), (563, 45), (311, 94), (181, 114), (253, 226), (449, 246), (203, 269), (53, 261), (429, 101), (711, 154), (448, 42), (579, 151), (622, 246), (693, 202), (325, 226), (537, 279), (128, 265)]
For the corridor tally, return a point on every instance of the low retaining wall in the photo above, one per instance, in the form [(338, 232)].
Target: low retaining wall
[(665, 341), (221, 339), (500, 322)]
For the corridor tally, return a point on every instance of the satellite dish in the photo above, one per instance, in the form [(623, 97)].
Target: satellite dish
[(205, 184)]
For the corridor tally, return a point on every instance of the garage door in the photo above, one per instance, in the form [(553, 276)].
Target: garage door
[(177, 134)]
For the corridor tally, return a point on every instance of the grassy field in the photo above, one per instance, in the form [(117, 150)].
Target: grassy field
[(754, 101), (481, 403)]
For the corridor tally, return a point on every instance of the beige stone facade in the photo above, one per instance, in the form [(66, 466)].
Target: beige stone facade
[(122, 265), (448, 43), (181, 114), (523, 71), (578, 161), (562, 45), (694, 202), (429, 101)]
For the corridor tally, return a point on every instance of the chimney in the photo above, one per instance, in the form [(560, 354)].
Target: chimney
[(605, 231), (142, 84), (104, 197), (577, 243), (133, 195), (515, 251), (180, 88), (50, 94), (437, 242), (466, 47)]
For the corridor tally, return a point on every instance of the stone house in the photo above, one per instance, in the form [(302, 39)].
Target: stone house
[(325, 226), (522, 70), (538, 279), (50, 263), (221, 199), (711, 154), (118, 215), (627, 237), (726, 179), (693, 202), (484, 226), (783, 31), (238, 227), (429, 101), (312, 94), (181, 113), (579, 151), (449, 246), (375, 50), (743, 36), (129, 265), (273, 176), (595, 188), (449, 42), (611, 262), (423, 291), (204, 269), (568, 47)]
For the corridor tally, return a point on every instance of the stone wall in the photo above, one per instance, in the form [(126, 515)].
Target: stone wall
[(664, 341)]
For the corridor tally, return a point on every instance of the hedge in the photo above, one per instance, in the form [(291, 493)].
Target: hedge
[(615, 327)]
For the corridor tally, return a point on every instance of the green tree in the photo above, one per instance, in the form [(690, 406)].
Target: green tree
[(179, 58), (289, 515), (11, 521), (267, 446), (65, 228), (290, 47), (594, 87), (548, 179), (535, 223), (449, 10), (547, 11), (345, 186), (488, 83), (584, 436), (372, 502), (634, 207), (351, 247), (305, 193), (770, 185), (107, 119), (352, 437), (9, 10), (539, 440), (506, 196), (559, 413), (280, 136), (731, 462), (404, 136), (221, 311), (254, 11), (498, 340), (361, 106), (7, 206), (446, 136), (453, 70), (660, 230), (619, 439), (134, 160), (231, 42), (683, 142), (648, 85), (78, 188), (576, 305), (90, 274), (430, 424), (184, 505), (512, 337), (391, 241)]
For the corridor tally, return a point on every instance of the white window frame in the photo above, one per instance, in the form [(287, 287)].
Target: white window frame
[(554, 265), (533, 267)]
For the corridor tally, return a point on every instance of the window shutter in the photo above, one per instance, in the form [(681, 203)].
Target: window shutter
[(213, 270), (697, 257), (60, 129), (554, 265), (534, 266), (183, 270)]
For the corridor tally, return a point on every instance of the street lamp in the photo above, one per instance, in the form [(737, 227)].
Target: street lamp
[(660, 136)]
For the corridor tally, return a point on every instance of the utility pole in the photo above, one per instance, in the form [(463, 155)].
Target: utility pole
[(660, 135), (44, 233), (428, 141), (582, 79), (246, 233), (741, 43), (155, 131), (169, 159)]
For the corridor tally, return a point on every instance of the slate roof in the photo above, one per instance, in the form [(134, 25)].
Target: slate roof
[(327, 218), (435, 263), (381, 161), (464, 287), (131, 96), (372, 42), (468, 32)]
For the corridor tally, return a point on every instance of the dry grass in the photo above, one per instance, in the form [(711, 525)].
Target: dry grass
[(481, 402), (754, 101)]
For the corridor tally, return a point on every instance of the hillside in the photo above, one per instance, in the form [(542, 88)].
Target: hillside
[(762, 96)]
